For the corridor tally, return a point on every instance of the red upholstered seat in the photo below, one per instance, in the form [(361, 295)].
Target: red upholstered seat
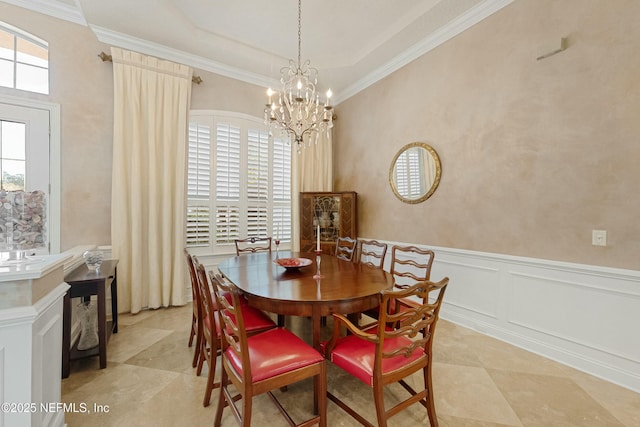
[(399, 345), (255, 320), (357, 356), (268, 360)]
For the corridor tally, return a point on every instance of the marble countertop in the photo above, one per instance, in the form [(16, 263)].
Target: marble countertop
[(33, 267)]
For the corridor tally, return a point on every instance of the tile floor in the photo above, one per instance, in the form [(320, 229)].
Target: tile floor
[(478, 381)]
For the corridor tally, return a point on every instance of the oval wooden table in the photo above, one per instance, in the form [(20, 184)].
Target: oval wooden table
[(344, 287)]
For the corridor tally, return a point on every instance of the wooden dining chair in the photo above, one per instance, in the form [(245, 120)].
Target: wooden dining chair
[(253, 244), (409, 264), (255, 321), (345, 248), (260, 363), (372, 253), (379, 355), (196, 322)]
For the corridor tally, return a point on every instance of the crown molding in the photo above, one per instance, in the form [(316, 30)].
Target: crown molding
[(56, 9), (447, 32), (455, 27), (148, 48)]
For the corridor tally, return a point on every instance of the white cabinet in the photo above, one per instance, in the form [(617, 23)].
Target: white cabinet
[(31, 297)]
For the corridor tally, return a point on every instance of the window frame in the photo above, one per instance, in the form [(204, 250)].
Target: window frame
[(17, 64)]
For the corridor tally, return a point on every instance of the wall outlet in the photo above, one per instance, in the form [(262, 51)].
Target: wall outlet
[(599, 238)]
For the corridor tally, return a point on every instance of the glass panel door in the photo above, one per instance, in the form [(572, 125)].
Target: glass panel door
[(24, 178)]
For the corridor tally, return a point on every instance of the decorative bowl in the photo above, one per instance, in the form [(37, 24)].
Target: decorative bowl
[(93, 259), (293, 263)]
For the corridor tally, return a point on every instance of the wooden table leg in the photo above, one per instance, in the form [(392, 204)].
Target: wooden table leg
[(102, 325), (114, 301), (315, 328), (66, 335)]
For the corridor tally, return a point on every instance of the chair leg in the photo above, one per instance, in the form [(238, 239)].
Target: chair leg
[(431, 406), (247, 402), (378, 398), (202, 357), (193, 331), (210, 380), (319, 395), (222, 398), (212, 358), (197, 352)]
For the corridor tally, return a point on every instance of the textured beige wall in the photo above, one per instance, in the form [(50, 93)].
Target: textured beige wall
[(221, 93), (535, 154)]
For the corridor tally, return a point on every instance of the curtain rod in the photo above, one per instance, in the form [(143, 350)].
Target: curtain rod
[(107, 58)]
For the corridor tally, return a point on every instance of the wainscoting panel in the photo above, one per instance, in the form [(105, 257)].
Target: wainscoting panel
[(584, 316), (478, 286), (576, 312)]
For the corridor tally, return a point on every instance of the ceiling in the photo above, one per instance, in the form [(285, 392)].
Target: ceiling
[(352, 43)]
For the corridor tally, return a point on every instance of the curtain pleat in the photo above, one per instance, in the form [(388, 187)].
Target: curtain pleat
[(151, 113)]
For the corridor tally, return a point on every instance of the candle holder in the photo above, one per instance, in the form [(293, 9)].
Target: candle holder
[(277, 242), (318, 261)]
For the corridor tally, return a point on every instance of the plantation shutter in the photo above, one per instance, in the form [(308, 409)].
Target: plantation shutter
[(281, 190), (199, 186), (227, 183), (257, 183)]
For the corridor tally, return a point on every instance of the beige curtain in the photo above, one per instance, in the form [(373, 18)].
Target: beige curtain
[(312, 170), (151, 106)]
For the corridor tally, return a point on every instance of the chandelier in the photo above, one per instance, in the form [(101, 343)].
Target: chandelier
[(297, 110)]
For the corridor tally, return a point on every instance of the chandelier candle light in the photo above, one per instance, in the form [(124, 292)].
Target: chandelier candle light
[(297, 110)]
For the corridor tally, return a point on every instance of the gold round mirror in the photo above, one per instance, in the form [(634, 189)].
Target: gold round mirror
[(415, 172)]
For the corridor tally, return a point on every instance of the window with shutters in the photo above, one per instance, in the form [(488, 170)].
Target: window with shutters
[(239, 182)]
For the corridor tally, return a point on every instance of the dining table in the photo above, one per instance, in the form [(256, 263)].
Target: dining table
[(340, 287)]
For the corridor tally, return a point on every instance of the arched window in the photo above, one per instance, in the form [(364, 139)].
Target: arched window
[(24, 60)]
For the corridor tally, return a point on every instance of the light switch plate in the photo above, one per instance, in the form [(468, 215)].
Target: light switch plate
[(599, 238)]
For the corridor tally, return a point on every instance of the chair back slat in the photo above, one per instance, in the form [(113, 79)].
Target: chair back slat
[(195, 287), (207, 305), (233, 332), (410, 264), (372, 253), (345, 248), (253, 245), (414, 322)]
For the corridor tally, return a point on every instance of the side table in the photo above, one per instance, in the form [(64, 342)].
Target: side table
[(84, 283)]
